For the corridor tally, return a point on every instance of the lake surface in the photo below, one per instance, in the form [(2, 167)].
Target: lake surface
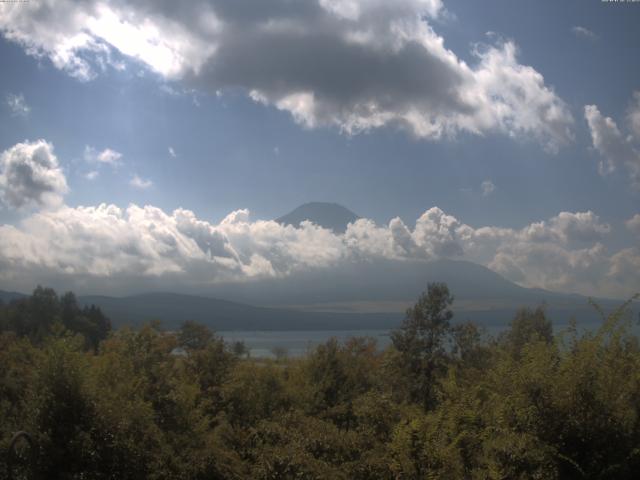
[(297, 343)]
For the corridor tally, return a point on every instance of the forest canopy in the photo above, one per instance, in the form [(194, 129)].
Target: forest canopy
[(445, 400)]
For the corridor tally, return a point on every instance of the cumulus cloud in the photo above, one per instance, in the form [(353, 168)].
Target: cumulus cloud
[(30, 176), (353, 65), (583, 32), (579, 227), (172, 153), (562, 253), (18, 105), (615, 149), (487, 188), (553, 267), (145, 241), (104, 157), (141, 183)]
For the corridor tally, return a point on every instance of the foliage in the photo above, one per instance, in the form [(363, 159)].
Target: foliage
[(43, 313), (444, 401), (421, 343)]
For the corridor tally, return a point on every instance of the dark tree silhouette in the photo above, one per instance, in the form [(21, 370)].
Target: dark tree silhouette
[(421, 342)]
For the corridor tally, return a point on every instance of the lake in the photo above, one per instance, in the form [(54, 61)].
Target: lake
[(299, 342)]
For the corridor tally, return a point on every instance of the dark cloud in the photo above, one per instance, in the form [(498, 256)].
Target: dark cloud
[(354, 65)]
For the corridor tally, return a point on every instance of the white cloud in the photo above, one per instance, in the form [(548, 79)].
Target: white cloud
[(551, 266), (583, 32), (354, 65), (66, 31), (92, 175), (18, 105), (633, 224), (172, 153), (109, 244), (487, 188), (106, 156), (436, 234), (615, 149), (141, 183), (563, 253), (579, 227), (30, 176)]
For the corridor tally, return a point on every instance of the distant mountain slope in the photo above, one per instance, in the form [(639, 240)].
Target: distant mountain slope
[(328, 215), (7, 297), (173, 309), (391, 285), (379, 280)]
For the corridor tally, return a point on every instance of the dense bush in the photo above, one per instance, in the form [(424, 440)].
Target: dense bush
[(444, 401)]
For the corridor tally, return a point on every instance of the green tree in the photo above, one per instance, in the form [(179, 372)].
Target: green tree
[(194, 336), (280, 353), (43, 313), (526, 327), (89, 321), (422, 343), (240, 349)]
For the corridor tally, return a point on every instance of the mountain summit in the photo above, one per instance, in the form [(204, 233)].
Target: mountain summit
[(327, 215)]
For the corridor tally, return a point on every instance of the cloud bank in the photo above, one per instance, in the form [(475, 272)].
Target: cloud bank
[(143, 244), (352, 65), (140, 245)]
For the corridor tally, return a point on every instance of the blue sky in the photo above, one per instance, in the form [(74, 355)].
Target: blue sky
[(236, 150)]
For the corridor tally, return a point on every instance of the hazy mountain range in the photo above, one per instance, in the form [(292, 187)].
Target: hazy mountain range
[(357, 295)]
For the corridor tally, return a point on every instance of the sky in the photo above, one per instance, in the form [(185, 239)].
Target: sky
[(145, 142)]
